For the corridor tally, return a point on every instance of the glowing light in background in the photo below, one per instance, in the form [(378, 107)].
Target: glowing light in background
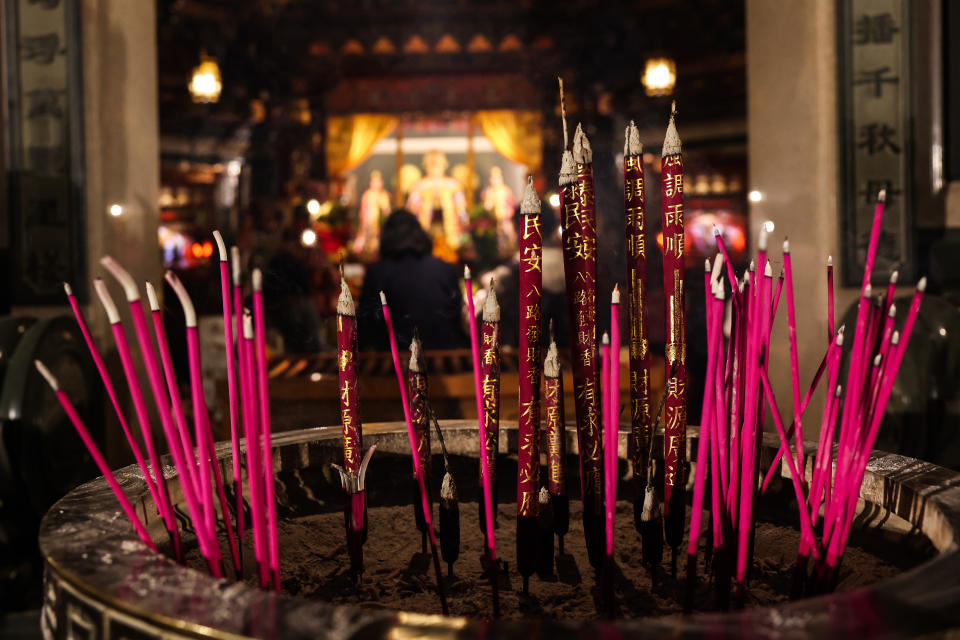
[(205, 85), (659, 76), (313, 207), (554, 200), (755, 196), (768, 225), (116, 210), (308, 238)]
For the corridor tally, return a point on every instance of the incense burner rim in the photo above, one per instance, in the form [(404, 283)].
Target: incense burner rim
[(924, 494)]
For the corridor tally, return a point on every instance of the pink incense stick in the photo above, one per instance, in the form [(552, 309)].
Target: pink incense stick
[(251, 432), (140, 407), (188, 472), (714, 314), (484, 470), (155, 378), (231, 373), (731, 276), (806, 529), (825, 441), (891, 289), (412, 436), (260, 333), (108, 385), (96, 455), (235, 268), (201, 422), (794, 356), (830, 314), (180, 444), (607, 416), (776, 299)]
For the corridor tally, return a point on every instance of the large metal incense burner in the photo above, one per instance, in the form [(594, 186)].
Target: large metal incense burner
[(101, 582)]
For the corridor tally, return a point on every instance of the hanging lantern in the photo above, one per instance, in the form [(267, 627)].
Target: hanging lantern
[(659, 76), (205, 85)]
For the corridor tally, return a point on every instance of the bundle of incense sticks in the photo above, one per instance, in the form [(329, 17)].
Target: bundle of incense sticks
[(578, 221), (417, 376), (198, 471), (528, 428), (675, 408), (353, 471), (641, 429)]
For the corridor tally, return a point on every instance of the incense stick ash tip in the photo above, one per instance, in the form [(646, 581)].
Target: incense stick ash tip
[(867, 291), (383, 299), (113, 316), (716, 231), (876, 360), (257, 279), (491, 308), (892, 312), (551, 364), (582, 152), (568, 174), (189, 312), (786, 246), (839, 339), (615, 295), (121, 275), (51, 380), (631, 141), (671, 141), (768, 270), (530, 203), (922, 285), (152, 297), (67, 289), (221, 246), (895, 276), (762, 240), (895, 338), (345, 304), (839, 391), (247, 324), (829, 261), (235, 264), (416, 350), (717, 266), (882, 195), (605, 339), (706, 266), (466, 272)]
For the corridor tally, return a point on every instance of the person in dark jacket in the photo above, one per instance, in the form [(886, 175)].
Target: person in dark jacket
[(423, 291)]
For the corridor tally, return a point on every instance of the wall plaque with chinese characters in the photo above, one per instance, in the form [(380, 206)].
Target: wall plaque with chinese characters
[(875, 135), (45, 199)]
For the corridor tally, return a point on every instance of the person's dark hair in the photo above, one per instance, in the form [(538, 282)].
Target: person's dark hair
[(402, 235)]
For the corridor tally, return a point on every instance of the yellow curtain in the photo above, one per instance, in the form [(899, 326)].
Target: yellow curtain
[(350, 139), (516, 135)]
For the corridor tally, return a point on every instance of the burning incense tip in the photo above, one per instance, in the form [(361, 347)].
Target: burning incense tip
[(345, 304), (152, 297), (867, 291), (108, 305), (606, 338), (530, 203), (416, 352), (221, 246), (768, 270), (466, 272), (582, 152), (829, 261), (67, 289), (717, 267), (786, 246), (876, 360), (235, 265), (894, 276), (631, 141), (762, 241), (615, 296), (568, 174), (42, 368), (671, 141), (895, 338), (922, 285), (189, 313), (551, 365), (121, 275), (383, 298), (491, 308), (247, 325), (893, 311), (882, 196), (257, 279)]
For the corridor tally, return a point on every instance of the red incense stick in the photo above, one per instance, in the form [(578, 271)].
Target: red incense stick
[(416, 459), (794, 355), (260, 334), (96, 455), (229, 348)]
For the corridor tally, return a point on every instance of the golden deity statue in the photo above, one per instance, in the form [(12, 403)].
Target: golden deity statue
[(498, 199), (374, 207), (438, 201)]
